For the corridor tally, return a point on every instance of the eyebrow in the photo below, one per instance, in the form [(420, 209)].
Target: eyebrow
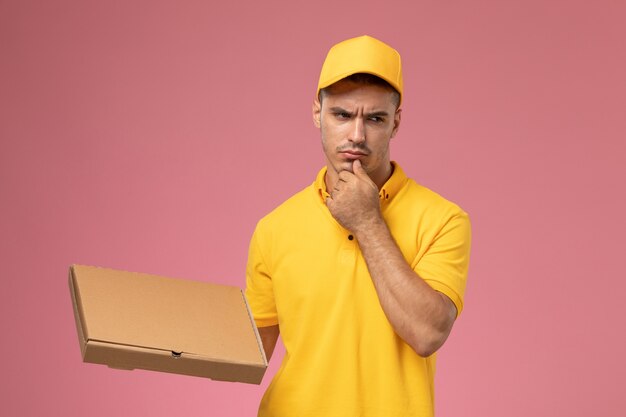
[(381, 113), (337, 109)]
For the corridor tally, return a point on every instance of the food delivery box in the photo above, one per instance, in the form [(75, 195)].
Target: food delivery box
[(129, 320)]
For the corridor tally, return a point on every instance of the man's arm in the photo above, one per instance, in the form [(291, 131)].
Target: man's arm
[(269, 337), (421, 316)]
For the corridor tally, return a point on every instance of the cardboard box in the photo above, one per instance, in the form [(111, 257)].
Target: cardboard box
[(130, 320)]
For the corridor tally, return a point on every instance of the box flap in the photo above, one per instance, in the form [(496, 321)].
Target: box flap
[(78, 313)]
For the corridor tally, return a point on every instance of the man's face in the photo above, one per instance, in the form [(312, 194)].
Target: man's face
[(357, 121)]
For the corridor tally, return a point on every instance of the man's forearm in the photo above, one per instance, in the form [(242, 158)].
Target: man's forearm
[(421, 316)]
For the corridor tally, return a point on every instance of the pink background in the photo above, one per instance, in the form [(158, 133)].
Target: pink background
[(152, 135)]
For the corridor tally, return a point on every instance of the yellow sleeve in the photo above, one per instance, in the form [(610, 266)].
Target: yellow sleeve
[(259, 290), (444, 265)]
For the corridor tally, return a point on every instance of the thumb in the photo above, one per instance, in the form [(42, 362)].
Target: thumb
[(358, 170)]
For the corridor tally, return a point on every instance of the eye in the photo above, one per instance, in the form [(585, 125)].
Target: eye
[(342, 115), (376, 119)]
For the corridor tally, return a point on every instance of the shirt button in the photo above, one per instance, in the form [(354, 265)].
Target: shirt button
[(350, 237)]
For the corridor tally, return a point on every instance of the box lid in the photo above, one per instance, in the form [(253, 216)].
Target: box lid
[(174, 315)]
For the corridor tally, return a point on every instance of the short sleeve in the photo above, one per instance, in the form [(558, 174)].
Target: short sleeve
[(445, 263), (259, 289)]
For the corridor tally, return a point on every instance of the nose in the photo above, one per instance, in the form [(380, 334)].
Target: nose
[(357, 132)]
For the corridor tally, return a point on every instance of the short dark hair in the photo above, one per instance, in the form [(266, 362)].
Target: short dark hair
[(366, 79)]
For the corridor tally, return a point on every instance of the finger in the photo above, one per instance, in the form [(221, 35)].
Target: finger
[(360, 173), (344, 176), (358, 170)]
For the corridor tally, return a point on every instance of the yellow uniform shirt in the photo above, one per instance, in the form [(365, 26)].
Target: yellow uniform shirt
[(306, 273)]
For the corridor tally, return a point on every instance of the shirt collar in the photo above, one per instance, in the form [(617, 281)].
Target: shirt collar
[(390, 189)]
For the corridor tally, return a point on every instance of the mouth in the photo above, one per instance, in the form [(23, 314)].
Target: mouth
[(352, 154)]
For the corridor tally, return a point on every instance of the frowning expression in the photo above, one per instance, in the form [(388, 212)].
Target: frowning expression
[(357, 121)]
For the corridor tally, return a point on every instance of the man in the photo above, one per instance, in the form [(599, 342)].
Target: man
[(363, 272)]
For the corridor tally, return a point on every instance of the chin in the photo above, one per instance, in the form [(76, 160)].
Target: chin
[(345, 166)]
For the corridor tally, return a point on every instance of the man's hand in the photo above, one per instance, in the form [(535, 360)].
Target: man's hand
[(354, 201)]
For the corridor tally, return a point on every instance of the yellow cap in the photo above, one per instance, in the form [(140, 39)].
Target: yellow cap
[(362, 55)]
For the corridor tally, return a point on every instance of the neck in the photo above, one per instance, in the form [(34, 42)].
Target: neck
[(382, 177)]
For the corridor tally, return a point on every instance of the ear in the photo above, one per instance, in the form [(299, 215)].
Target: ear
[(397, 117), (317, 110)]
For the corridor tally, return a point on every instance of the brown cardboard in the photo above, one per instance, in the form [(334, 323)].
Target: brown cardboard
[(130, 320)]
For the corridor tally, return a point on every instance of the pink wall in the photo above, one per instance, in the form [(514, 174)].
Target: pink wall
[(152, 135)]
